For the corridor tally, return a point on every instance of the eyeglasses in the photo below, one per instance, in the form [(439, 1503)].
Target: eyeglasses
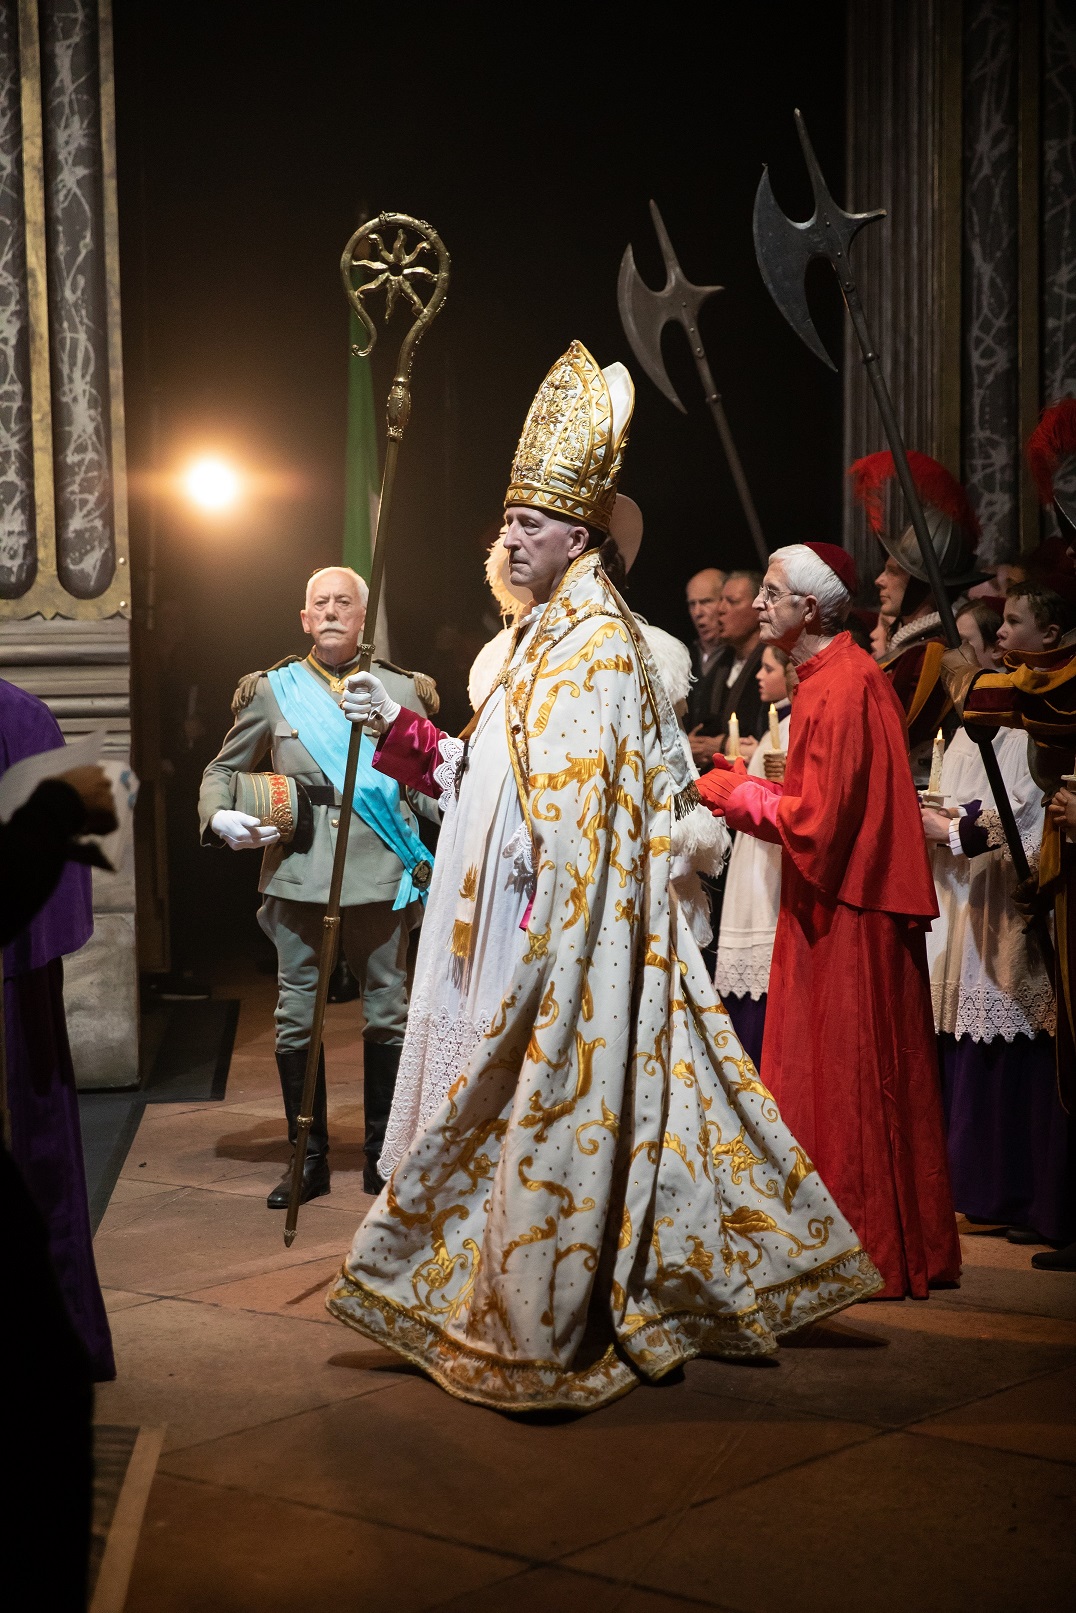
[(771, 596)]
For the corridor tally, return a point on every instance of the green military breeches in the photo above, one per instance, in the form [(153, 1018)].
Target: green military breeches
[(374, 940)]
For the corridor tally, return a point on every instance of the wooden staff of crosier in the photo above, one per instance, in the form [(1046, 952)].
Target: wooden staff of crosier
[(403, 270)]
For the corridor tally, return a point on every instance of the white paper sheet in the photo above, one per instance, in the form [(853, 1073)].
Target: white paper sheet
[(22, 778)]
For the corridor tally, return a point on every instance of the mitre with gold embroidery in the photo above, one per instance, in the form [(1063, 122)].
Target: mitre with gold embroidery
[(569, 455)]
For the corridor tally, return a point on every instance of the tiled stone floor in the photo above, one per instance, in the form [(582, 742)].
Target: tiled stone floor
[(908, 1457)]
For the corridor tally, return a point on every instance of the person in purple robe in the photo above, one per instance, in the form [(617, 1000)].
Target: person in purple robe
[(46, 1139)]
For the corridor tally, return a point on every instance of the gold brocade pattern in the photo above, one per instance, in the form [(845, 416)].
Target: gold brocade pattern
[(609, 1130), (569, 456)]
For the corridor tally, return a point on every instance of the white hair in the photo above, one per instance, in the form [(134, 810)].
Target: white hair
[(348, 571), (807, 573)]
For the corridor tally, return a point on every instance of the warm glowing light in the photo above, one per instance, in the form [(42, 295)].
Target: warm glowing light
[(211, 484)]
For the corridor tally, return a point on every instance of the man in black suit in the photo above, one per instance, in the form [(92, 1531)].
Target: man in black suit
[(731, 686), (704, 606)]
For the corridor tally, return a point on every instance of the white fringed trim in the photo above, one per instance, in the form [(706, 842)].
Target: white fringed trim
[(671, 657), (486, 666)]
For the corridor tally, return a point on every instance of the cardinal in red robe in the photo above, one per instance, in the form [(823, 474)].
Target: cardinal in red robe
[(849, 1051)]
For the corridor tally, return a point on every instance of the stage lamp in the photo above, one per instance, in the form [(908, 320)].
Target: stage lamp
[(211, 483)]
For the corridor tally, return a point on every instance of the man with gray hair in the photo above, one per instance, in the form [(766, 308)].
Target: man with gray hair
[(292, 713), (732, 688), (849, 1051), (703, 606)]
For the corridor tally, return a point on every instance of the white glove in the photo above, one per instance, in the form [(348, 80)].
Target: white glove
[(367, 701), (242, 831)]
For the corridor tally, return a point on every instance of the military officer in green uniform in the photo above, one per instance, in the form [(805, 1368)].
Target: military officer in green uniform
[(292, 714)]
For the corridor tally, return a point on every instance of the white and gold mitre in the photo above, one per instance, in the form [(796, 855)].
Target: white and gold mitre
[(569, 456)]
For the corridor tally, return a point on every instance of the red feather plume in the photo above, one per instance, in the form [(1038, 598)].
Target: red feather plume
[(934, 484), (1053, 440)]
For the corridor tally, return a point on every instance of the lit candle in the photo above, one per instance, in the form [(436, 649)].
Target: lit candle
[(934, 787), (775, 728), (733, 746)]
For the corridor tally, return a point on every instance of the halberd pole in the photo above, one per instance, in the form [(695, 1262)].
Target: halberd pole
[(784, 249), (644, 314), (399, 270)]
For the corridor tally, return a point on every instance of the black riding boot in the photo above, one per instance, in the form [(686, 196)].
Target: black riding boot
[(292, 1068), (380, 1063)]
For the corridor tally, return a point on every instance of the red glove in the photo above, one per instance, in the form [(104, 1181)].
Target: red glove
[(718, 784)]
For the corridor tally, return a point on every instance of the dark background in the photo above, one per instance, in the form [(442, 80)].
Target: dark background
[(250, 139)]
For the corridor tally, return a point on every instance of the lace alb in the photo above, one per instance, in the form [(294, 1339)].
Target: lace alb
[(437, 1050), (985, 1013), (744, 971), (520, 853)]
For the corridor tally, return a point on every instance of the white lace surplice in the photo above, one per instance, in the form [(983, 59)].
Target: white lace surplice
[(752, 902), (453, 1002), (983, 981)]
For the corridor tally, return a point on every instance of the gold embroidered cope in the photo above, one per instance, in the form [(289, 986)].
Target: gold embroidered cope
[(608, 1188)]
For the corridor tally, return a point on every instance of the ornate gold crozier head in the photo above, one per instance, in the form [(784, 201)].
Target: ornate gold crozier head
[(569, 456)]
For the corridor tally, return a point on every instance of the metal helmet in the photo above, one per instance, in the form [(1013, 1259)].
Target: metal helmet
[(951, 521), (1051, 457)]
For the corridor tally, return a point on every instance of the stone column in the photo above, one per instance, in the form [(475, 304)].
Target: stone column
[(1058, 112), (18, 543), (991, 281), (903, 154), (65, 602), (962, 122)]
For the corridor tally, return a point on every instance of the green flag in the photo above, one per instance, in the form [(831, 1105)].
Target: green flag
[(362, 481)]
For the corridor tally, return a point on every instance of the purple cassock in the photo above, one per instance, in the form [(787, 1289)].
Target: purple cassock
[(46, 1139)]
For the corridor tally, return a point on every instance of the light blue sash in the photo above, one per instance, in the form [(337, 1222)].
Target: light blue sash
[(325, 731)]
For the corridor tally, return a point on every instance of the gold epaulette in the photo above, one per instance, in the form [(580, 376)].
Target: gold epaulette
[(244, 690), (425, 687)]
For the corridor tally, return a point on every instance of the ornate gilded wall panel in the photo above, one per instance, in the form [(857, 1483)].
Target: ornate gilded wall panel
[(63, 64), (991, 423), (64, 588), (78, 303), (18, 537), (1059, 199)]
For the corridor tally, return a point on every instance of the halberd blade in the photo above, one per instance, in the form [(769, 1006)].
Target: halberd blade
[(643, 314), (837, 229), (784, 248)]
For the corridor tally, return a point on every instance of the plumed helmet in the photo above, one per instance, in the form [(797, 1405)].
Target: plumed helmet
[(951, 521), (1051, 457)]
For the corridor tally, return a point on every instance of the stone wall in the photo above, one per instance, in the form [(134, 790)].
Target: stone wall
[(962, 123), (65, 602)]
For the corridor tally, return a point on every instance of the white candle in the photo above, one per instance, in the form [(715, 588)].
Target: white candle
[(934, 787), (775, 728), (733, 746)]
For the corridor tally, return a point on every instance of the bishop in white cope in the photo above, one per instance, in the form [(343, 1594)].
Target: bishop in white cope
[(588, 1183)]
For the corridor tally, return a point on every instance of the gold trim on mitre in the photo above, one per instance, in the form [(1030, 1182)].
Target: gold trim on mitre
[(569, 455)]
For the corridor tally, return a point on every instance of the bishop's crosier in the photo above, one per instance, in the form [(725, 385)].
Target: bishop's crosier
[(587, 1182)]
